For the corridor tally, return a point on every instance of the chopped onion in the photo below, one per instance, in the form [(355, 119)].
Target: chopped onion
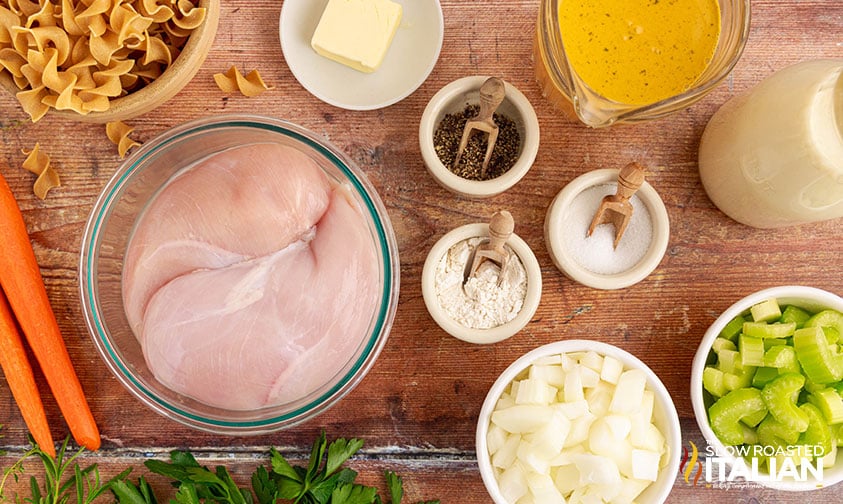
[(576, 426)]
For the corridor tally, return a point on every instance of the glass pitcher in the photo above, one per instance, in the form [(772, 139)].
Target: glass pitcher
[(566, 90)]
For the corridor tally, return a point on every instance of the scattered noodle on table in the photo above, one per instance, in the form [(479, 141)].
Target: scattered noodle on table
[(232, 80), (118, 132), (80, 54), (39, 163)]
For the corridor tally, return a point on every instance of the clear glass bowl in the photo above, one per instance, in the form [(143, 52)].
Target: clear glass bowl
[(112, 221), (567, 92)]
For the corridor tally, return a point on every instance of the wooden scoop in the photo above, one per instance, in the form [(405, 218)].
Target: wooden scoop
[(501, 226), (492, 93), (615, 208)]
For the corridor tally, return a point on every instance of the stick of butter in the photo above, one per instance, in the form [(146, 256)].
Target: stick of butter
[(357, 33)]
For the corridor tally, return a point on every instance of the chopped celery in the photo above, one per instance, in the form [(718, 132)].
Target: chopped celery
[(795, 314), (765, 434), (780, 356), (766, 311), (818, 361), (713, 381), (771, 342), (779, 397), (723, 344), (772, 427), (827, 318), (763, 376), (818, 432), (729, 361), (830, 404), (750, 437), (754, 419), (733, 328), (811, 386), (739, 379), (751, 350), (793, 362), (765, 330), (727, 411)]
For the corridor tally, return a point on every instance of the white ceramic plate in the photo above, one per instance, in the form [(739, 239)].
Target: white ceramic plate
[(409, 61)]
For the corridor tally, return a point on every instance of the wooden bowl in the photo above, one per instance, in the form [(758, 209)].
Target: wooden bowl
[(160, 90)]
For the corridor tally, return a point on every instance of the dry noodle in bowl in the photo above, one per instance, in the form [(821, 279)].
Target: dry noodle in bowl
[(102, 62), (239, 274)]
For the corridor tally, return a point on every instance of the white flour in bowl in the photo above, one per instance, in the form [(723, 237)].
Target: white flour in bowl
[(480, 303)]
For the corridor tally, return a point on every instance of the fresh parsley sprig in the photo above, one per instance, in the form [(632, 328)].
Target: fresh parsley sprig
[(323, 481)]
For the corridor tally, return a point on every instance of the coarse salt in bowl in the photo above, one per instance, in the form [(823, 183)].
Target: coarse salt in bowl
[(808, 298), (504, 486), (143, 179), (592, 261)]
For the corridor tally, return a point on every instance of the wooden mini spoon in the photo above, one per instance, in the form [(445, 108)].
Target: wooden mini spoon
[(501, 226), (492, 93), (615, 208)]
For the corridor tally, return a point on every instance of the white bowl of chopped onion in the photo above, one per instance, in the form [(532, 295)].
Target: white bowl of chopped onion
[(578, 420)]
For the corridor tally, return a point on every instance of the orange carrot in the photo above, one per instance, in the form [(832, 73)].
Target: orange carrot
[(21, 381), (21, 280)]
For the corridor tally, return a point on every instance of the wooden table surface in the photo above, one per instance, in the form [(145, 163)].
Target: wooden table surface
[(418, 406)]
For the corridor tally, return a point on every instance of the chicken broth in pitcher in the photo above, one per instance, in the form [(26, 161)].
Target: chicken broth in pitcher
[(639, 51)]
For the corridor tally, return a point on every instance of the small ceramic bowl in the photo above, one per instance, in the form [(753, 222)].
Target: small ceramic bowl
[(559, 218), (665, 417), (453, 98), (174, 78), (808, 298), (460, 331)]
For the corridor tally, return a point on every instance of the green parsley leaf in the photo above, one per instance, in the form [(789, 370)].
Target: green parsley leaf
[(395, 485), (316, 454), (281, 467), (264, 486), (350, 493), (127, 492), (187, 494), (339, 451)]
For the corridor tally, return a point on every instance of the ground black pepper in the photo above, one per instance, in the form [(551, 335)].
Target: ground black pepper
[(446, 141)]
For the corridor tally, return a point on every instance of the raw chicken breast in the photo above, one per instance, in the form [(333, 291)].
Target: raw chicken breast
[(240, 204), (273, 300)]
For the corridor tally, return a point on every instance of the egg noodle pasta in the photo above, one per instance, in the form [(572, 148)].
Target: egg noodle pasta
[(81, 54), (38, 163), (232, 81), (118, 132)]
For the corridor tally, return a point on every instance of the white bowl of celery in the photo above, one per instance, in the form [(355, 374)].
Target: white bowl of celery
[(767, 389)]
